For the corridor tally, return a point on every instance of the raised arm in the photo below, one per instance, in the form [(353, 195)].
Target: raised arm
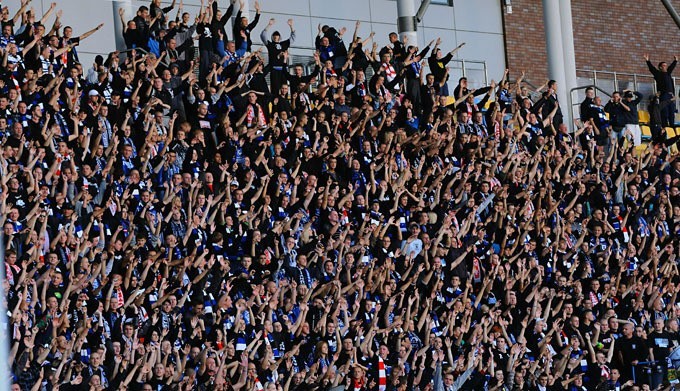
[(94, 30), (121, 14), (264, 35), (48, 13)]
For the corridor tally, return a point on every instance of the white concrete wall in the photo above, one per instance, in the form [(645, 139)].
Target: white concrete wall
[(476, 22)]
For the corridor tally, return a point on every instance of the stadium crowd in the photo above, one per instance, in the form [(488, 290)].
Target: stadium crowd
[(218, 219)]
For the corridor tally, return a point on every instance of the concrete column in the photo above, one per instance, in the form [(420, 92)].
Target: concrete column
[(117, 26), (569, 56), (406, 23), (555, 51)]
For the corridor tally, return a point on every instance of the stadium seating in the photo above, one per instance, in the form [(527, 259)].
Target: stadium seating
[(646, 133), (644, 116), (671, 133)]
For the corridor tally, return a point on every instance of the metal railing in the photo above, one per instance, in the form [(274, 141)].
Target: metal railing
[(164, 62), (575, 89), (617, 77), (614, 81), (460, 68), (465, 70), (533, 90), (463, 65)]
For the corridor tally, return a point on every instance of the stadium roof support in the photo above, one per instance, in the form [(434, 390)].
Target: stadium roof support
[(408, 19)]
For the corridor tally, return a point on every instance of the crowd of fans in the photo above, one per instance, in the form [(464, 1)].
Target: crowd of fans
[(220, 219)]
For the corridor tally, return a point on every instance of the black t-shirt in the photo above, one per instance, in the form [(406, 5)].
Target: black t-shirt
[(661, 344), (631, 349)]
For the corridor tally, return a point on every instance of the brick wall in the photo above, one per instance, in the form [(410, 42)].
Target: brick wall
[(609, 35)]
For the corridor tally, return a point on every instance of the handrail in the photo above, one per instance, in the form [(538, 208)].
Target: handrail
[(616, 75), (463, 68), (608, 72), (534, 90), (139, 49), (145, 52), (462, 61), (307, 61), (571, 95)]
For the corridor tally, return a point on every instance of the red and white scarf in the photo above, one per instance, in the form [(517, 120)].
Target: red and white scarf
[(594, 299), (330, 72), (119, 297), (605, 372), (8, 272), (382, 375), (390, 73), (261, 121)]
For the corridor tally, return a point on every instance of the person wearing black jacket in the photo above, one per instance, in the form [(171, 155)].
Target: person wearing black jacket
[(665, 86), (135, 36), (242, 28), (219, 21), (616, 109), (335, 44), (144, 24), (657, 109), (398, 48), (548, 102), (156, 10), (462, 89), (585, 105), (437, 64), (630, 118), (277, 53), (205, 46), (297, 78), (414, 73)]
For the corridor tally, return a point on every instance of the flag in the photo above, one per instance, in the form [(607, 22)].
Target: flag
[(241, 342), (476, 270), (644, 227)]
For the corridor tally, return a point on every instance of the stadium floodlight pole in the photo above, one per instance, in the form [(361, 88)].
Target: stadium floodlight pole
[(569, 57), (555, 51), (406, 21), (671, 11)]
